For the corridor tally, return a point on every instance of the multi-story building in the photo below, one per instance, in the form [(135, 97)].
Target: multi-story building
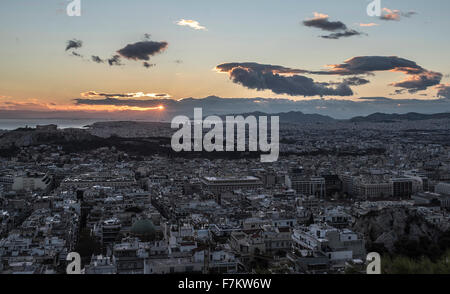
[(130, 256), (277, 239), (91, 180), (442, 188), (307, 185), (32, 181), (110, 231), (338, 245), (224, 184), (402, 187), (101, 265), (6, 182)]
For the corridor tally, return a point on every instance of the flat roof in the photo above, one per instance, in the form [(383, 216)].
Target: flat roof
[(225, 179)]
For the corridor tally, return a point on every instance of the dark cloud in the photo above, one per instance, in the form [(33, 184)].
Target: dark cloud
[(94, 94), (142, 50), (74, 44), (419, 78), (107, 95), (138, 51), (124, 102), (344, 34), (115, 60), (356, 81), (399, 91), (265, 68), (269, 77), (443, 91), (148, 65), (97, 59), (420, 82), (284, 80), (367, 64), (77, 54), (321, 21), (340, 30)]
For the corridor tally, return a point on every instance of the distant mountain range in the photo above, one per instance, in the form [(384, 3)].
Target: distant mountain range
[(293, 117), (300, 117), (412, 116)]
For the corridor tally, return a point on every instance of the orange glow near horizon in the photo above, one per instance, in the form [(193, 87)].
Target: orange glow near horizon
[(108, 108), (33, 105)]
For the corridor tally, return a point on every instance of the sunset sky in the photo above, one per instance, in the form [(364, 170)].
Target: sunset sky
[(233, 49)]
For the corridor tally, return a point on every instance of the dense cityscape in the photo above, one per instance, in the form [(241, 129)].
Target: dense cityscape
[(337, 193)]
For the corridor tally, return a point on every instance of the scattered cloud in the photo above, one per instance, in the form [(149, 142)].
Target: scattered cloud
[(367, 64), (148, 65), (409, 13), (389, 14), (142, 50), (371, 24), (284, 80), (97, 59), (29, 104), (356, 81), (115, 60), (137, 51), (74, 44), (339, 29), (395, 14), (419, 82), (77, 54), (321, 21), (136, 103), (443, 91), (191, 23), (347, 33), (419, 78), (94, 94)]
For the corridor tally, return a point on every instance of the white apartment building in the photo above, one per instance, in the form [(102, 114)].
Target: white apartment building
[(337, 244)]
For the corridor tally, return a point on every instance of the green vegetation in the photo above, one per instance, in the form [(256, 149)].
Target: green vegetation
[(423, 265), (424, 247)]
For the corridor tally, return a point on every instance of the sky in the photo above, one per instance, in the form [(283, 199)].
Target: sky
[(137, 55)]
